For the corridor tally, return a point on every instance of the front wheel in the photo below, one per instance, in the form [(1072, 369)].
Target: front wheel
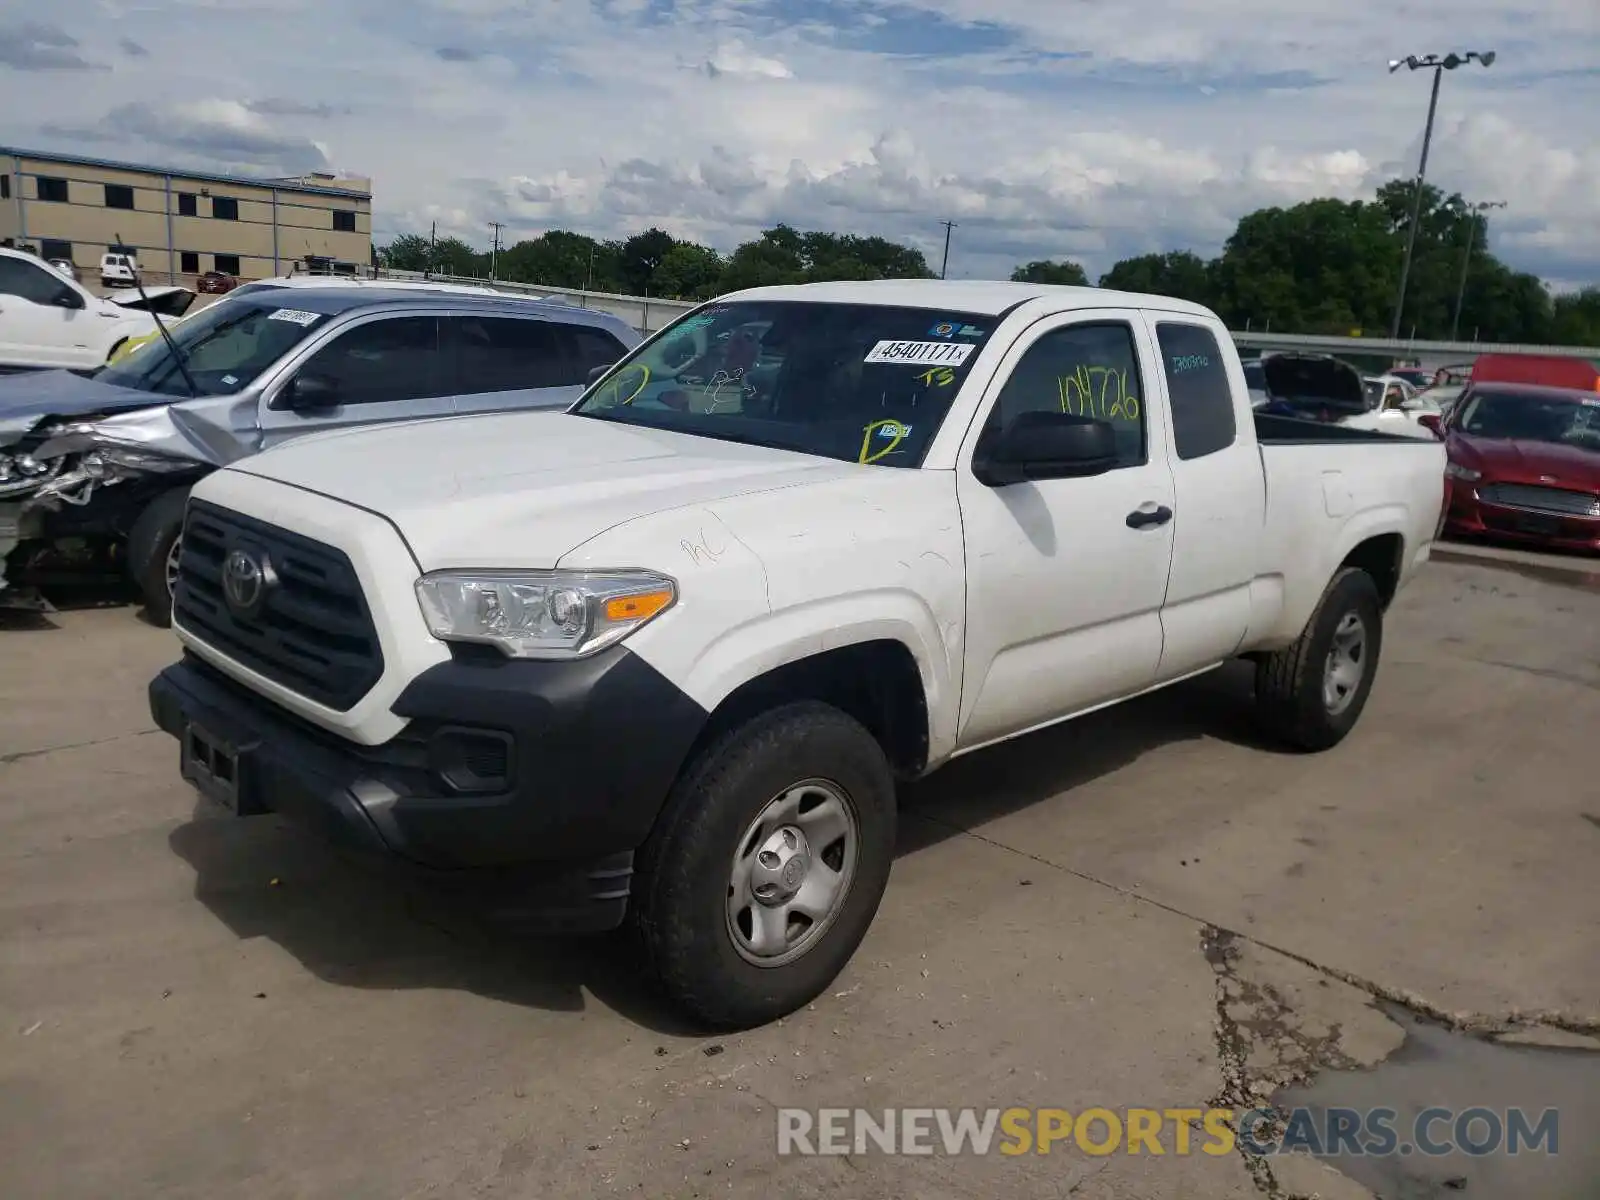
[(1310, 694), (767, 866)]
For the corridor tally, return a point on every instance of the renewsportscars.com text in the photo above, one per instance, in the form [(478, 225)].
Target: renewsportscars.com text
[(1161, 1131)]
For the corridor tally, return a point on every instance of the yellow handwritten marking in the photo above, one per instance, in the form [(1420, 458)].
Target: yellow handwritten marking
[(616, 383), (1097, 392), (938, 377), (866, 440)]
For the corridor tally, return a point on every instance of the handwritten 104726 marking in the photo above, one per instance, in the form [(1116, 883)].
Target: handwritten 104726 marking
[(1098, 392)]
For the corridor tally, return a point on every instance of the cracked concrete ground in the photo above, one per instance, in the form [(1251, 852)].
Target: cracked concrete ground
[(1145, 908)]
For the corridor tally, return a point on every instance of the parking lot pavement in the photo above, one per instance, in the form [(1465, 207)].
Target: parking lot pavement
[(1145, 908)]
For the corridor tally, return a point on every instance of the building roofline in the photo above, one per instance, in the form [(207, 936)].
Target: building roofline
[(83, 160)]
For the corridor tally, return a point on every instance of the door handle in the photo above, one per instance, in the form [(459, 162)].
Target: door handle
[(1144, 518)]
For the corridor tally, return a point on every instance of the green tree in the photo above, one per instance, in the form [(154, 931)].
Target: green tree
[(772, 258), (408, 252), (1575, 318), (641, 255), (1324, 266), (688, 272), (1179, 273), (556, 259), (1045, 271), (452, 256)]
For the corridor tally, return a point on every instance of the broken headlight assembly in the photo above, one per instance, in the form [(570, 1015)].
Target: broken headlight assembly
[(83, 462), (23, 473)]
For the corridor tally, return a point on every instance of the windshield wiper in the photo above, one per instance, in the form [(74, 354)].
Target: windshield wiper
[(172, 346)]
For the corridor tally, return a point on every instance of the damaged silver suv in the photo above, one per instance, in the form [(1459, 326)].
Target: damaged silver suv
[(95, 466)]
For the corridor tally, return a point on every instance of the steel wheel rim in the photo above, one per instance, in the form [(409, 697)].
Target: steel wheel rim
[(174, 556), (1346, 665), (791, 872)]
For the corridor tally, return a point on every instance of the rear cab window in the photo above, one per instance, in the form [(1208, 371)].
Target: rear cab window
[(1203, 415)]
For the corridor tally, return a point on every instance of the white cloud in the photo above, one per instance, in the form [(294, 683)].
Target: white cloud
[(735, 59), (1043, 129)]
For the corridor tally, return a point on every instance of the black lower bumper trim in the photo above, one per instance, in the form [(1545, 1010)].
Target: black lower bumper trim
[(592, 748)]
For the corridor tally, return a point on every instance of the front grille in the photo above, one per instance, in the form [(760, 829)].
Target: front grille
[(312, 631), (1541, 499)]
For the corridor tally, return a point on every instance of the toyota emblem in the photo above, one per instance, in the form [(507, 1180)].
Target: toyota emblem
[(245, 580)]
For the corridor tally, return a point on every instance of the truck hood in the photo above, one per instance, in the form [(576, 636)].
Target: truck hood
[(1519, 461), (30, 396), (1315, 379), (524, 489)]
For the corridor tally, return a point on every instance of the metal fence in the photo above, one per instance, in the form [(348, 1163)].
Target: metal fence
[(648, 314), (644, 313)]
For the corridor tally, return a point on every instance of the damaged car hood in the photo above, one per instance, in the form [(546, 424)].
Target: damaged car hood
[(30, 397)]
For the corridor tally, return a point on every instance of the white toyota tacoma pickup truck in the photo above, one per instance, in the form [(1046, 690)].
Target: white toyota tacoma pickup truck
[(663, 657)]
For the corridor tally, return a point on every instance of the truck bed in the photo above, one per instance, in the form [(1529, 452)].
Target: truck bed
[(1326, 485), (1292, 431)]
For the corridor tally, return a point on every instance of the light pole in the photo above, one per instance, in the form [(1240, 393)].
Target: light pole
[(1438, 65), (1472, 211)]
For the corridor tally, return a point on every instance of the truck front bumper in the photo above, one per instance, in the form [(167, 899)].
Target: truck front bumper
[(527, 784)]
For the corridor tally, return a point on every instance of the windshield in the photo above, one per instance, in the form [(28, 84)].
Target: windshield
[(863, 383), (1568, 421), (225, 346)]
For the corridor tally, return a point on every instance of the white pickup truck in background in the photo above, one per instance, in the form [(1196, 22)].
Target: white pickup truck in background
[(664, 656)]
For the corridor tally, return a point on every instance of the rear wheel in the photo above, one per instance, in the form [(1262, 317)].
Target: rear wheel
[(155, 544), (767, 866), (1311, 694)]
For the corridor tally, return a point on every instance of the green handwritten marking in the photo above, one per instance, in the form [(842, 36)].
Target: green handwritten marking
[(938, 377), (615, 384), (899, 435), (1100, 393)]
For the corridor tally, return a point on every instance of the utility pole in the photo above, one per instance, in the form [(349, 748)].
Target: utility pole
[(433, 248), (1472, 211), (1438, 65), (945, 266), (494, 249)]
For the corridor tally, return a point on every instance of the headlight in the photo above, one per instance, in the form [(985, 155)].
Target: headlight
[(23, 473), (1457, 471), (542, 614)]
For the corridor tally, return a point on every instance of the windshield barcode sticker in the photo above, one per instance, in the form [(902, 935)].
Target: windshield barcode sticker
[(949, 353), (296, 315)]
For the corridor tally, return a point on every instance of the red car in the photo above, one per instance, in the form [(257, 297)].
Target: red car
[(1524, 465), (215, 283)]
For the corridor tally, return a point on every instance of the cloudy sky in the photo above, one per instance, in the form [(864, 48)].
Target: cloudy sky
[(1090, 129)]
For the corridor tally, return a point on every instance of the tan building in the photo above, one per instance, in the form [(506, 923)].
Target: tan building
[(180, 223)]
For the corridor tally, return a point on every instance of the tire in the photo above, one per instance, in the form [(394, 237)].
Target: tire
[(716, 823), (1297, 699), (152, 544)]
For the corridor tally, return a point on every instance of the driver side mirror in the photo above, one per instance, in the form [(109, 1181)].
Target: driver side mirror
[(598, 373), (67, 298), (1046, 445), (311, 393), (1432, 421)]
